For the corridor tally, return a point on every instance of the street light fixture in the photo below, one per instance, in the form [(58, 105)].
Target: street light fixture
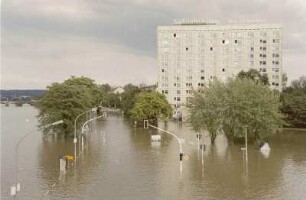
[(83, 129), (75, 140), (16, 188), (146, 125)]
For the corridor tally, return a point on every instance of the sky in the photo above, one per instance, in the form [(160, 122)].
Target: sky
[(114, 41)]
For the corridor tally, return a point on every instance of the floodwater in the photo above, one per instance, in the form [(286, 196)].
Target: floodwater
[(119, 161)]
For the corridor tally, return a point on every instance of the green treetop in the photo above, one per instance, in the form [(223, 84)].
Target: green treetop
[(65, 101), (151, 106), (235, 106), (254, 75)]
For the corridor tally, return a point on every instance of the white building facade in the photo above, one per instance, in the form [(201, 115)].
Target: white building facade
[(192, 54)]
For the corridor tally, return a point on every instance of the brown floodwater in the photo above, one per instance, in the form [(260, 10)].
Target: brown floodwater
[(119, 161)]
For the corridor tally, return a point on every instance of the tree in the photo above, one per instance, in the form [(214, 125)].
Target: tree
[(114, 100), (65, 101), (254, 75), (206, 108), (151, 106), (105, 87), (294, 103), (129, 98), (98, 94), (235, 106)]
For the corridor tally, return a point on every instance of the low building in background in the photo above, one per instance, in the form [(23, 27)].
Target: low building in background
[(118, 90)]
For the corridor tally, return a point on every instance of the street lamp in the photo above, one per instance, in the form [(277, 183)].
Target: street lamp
[(146, 125), (75, 140), (16, 188), (83, 129)]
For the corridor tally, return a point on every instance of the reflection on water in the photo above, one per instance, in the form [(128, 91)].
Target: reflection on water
[(120, 161)]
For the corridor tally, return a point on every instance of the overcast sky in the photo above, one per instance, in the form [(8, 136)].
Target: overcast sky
[(112, 41)]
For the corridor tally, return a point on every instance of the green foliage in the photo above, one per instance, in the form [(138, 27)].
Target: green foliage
[(65, 101), (254, 75), (98, 94), (114, 100), (151, 105), (233, 106), (105, 87), (294, 103), (206, 108), (129, 98)]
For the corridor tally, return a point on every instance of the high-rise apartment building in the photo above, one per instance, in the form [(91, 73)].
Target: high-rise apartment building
[(192, 53)]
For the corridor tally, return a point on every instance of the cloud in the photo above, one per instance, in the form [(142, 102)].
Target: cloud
[(122, 35), (56, 59)]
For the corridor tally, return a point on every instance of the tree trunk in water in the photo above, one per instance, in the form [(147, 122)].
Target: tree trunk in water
[(213, 136)]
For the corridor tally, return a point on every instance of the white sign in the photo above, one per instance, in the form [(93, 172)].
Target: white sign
[(155, 137)]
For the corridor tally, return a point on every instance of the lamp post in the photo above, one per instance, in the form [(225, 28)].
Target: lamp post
[(246, 144), (16, 188), (179, 141), (83, 129), (75, 140)]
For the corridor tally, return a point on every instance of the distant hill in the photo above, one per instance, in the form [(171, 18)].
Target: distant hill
[(22, 93)]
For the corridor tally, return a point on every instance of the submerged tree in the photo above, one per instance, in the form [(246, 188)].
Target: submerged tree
[(129, 98), (151, 106), (235, 106), (206, 109), (294, 103), (65, 101)]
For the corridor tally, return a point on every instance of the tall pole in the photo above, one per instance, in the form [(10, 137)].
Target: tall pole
[(18, 144), (83, 126), (246, 144), (180, 144), (75, 140)]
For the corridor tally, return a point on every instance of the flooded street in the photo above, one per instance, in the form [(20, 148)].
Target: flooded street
[(120, 162)]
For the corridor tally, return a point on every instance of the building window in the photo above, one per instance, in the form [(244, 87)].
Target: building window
[(275, 55), (275, 40), (275, 62), (223, 70), (174, 35), (202, 78), (178, 98), (165, 91), (252, 48), (236, 41), (178, 92), (202, 70), (211, 48), (163, 70), (186, 48), (223, 41)]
